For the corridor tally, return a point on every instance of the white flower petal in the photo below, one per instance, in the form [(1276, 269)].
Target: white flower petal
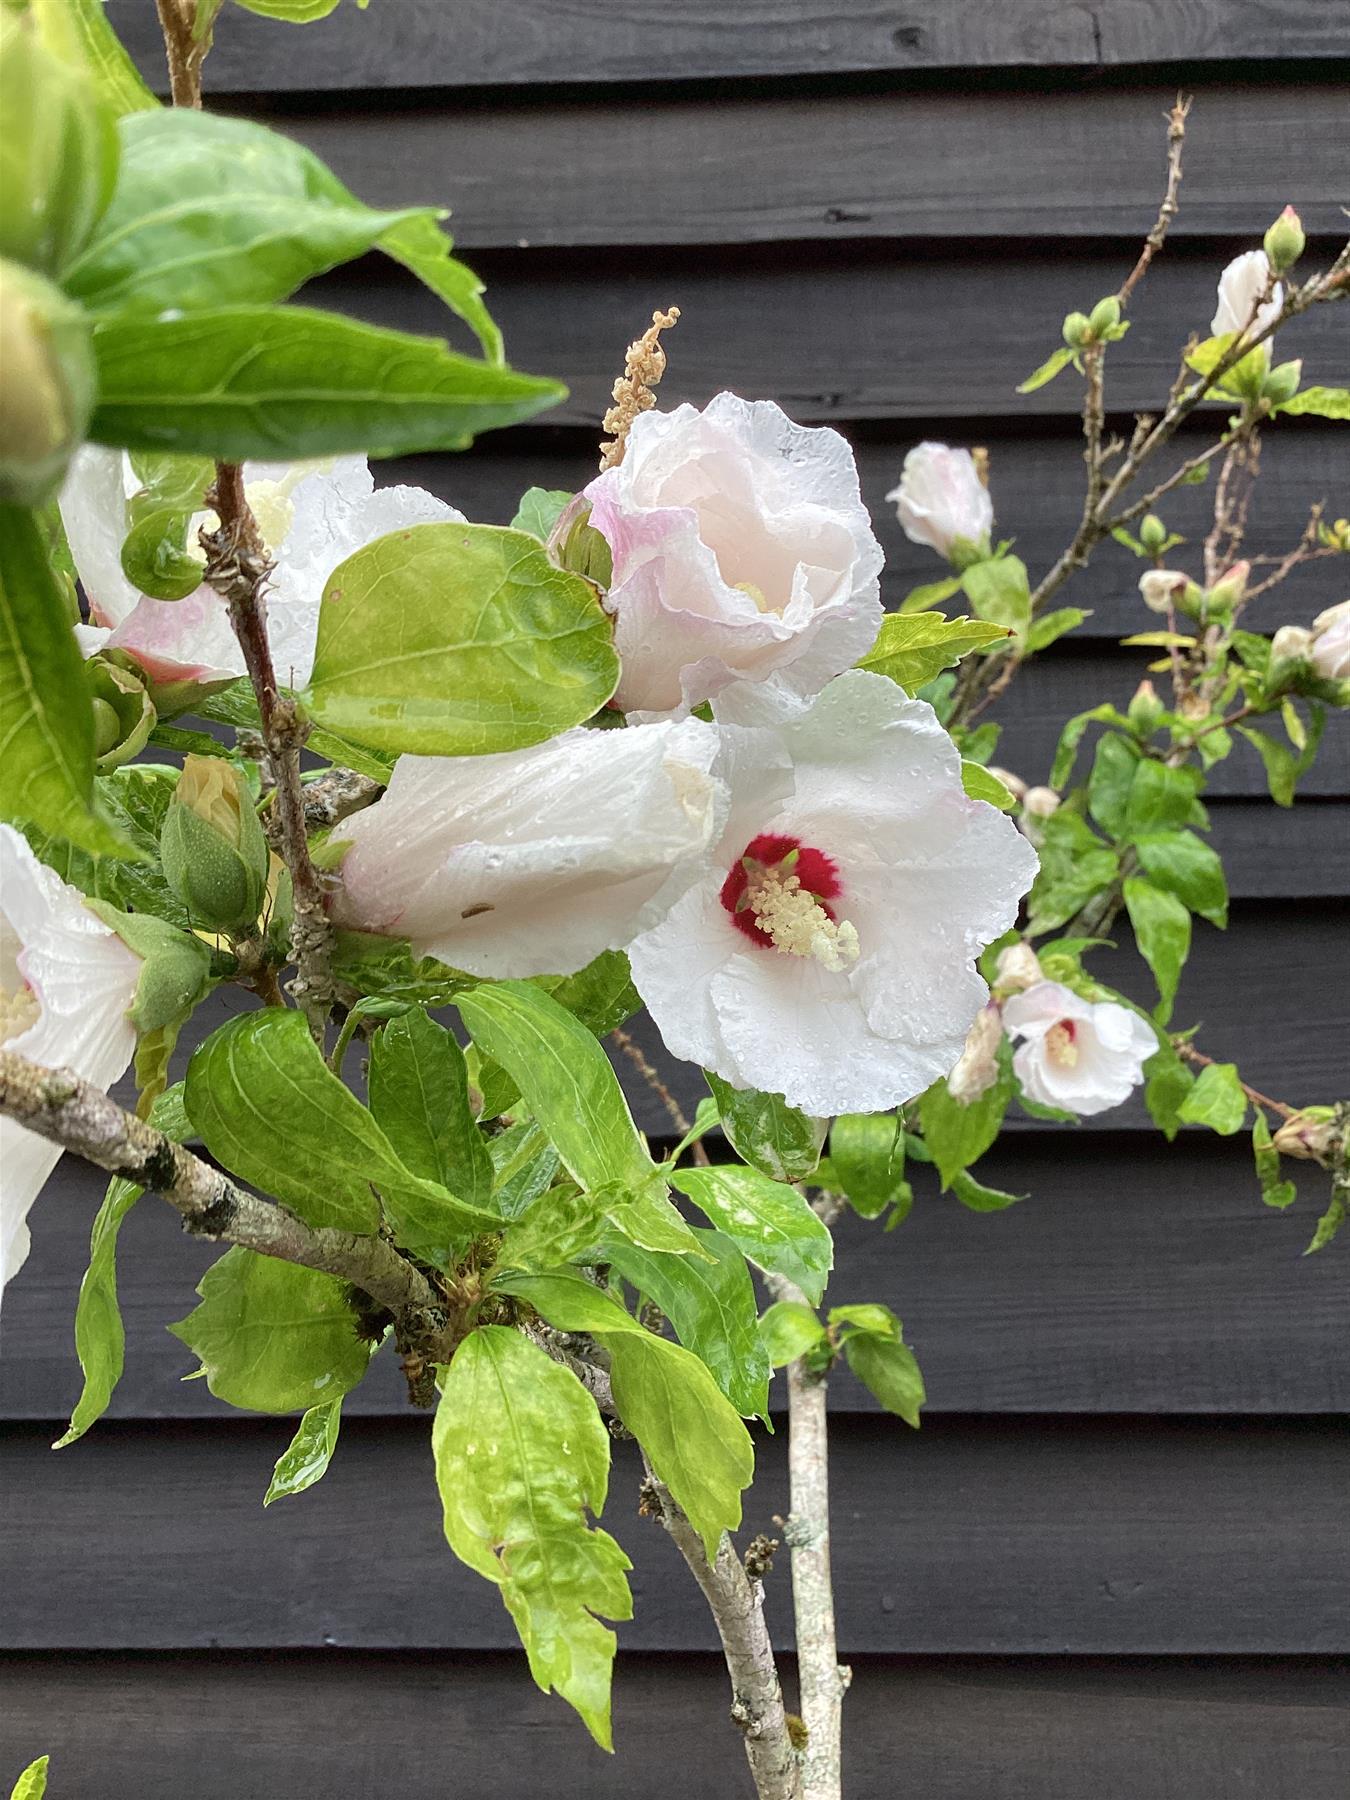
[(941, 498)]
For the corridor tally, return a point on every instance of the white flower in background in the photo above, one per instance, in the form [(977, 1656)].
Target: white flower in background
[(1081, 1056), (1330, 652), (977, 1070), (534, 861), (66, 982), (1162, 588), (828, 953), (312, 516), (1018, 967), (941, 498), (1240, 288), (742, 550), (1041, 802)]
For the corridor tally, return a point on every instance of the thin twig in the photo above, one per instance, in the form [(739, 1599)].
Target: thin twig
[(678, 1117), (1306, 550), (183, 50), (1153, 243), (1188, 1053)]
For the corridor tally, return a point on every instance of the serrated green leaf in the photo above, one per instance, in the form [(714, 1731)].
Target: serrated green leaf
[(560, 1224), (601, 995), (1321, 402), (455, 640), (1167, 1084), (134, 799), (419, 1096), (524, 1165), (521, 1457), (1216, 1100), (272, 1336), (1274, 1191), (981, 785), (766, 1132), (539, 510), (1333, 1218), (710, 1302), (911, 648), (1162, 931), (770, 1223), (867, 1156), (1185, 865), (957, 1133), (1048, 370), (386, 968), (306, 1459), (236, 382), (788, 1330)]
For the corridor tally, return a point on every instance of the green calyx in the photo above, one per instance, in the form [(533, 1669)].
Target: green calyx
[(49, 385), (212, 848)]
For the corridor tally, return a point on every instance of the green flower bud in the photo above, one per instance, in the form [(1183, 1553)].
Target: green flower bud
[(1313, 1135), (1284, 242), (1228, 589), (1152, 534), (1282, 382), (1077, 329), (48, 386), (60, 154), (1104, 315), (176, 972), (124, 713), (212, 847), (1145, 710), (574, 544)]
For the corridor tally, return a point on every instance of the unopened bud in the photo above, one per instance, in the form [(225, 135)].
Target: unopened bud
[(574, 544), (977, 1069), (1014, 783), (1018, 968), (1330, 649), (1229, 588), (1312, 1135), (1104, 316), (1040, 802), (1152, 533), (124, 714), (1285, 240), (1077, 329), (1162, 589), (48, 385), (212, 847), (1145, 710), (1282, 382), (1291, 643), (1335, 536)]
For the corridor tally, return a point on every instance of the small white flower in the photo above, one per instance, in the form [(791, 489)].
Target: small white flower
[(1331, 643), (312, 516), (1040, 802), (1080, 1056), (1240, 288), (1018, 968), (742, 550), (1162, 588), (977, 1070), (941, 498), (532, 862), (828, 953), (66, 982)]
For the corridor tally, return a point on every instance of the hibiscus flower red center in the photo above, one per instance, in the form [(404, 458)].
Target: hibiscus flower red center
[(778, 895), (1061, 1043)]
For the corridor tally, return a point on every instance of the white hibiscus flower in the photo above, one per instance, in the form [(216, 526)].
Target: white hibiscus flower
[(941, 500), (1081, 1056), (66, 982), (828, 953), (1240, 288), (312, 516)]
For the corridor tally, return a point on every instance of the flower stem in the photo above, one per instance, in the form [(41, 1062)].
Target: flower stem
[(1188, 1053)]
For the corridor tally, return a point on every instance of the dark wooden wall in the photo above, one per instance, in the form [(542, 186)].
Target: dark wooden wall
[(1113, 1562)]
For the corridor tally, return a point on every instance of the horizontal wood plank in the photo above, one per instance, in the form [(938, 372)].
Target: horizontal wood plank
[(1037, 1537), (954, 1729), (837, 331), (421, 43), (717, 170), (1134, 1277)]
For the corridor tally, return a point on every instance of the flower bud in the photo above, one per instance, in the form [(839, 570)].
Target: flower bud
[(1330, 648), (1229, 588), (47, 392), (1312, 1135), (1145, 710), (1104, 316), (124, 714), (1014, 783), (1077, 329), (212, 847), (1335, 536), (574, 544), (1017, 969), (1040, 802), (1152, 533), (977, 1069), (1162, 589), (1284, 242), (1282, 382)]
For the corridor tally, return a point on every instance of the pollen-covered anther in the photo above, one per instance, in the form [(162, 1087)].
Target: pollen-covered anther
[(1061, 1044), (19, 1011), (795, 921)]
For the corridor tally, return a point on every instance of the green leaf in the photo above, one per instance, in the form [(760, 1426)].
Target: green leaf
[(958, 1134), (455, 640), (419, 1096), (888, 1369), (766, 1132), (1281, 764), (710, 1301), (1114, 768), (911, 648), (978, 1198), (386, 968), (1216, 1100), (293, 12), (1162, 798), (1185, 865), (540, 510), (559, 1225), (79, 33), (1075, 866), (788, 1330), (524, 1164), (1048, 370), (1322, 402), (423, 247), (566, 1080), (1333, 1218), (134, 799), (867, 1154), (521, 1457), (1000, 591), (32, 1783), (1167, 1084), (1072, 735), (601, 995), (272, 1336), (270, 1109), (1274, 1192), (1162, 930), (769, 1222), (310, 1452), (664, 1395), (1052, 625), (981, 785), (932, 593), (47, 735), (285, 382)]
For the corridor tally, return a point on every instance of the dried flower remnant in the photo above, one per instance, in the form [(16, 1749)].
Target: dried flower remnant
[(643, 368)]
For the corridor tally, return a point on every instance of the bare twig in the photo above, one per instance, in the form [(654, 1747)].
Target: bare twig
[(1188, 1053), (184, 50), (336, 795), (736, 1601), (1153, 243), (676, 1113), (1306, 550)]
